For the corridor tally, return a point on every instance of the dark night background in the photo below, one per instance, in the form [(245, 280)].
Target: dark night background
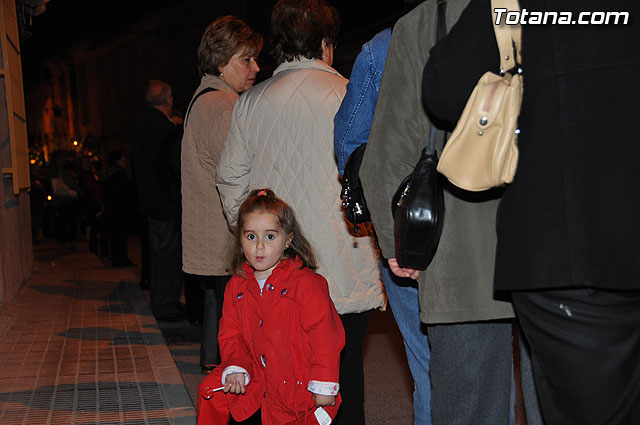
[(85, 64), (67, 33)]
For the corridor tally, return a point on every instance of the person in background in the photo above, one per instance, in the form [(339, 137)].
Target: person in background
[(568, 239), (169, 181), (164, 238), (280, 334), (38, 205), (281, 136), (227, 64), (352, 124), (66, 195), (119, 206), (92, 204)]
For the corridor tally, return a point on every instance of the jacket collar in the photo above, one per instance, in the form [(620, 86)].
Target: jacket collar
[(285, 265), (316, 64), (215, 82), (158, 112)]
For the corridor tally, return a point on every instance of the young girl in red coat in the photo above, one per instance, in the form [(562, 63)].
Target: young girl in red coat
[(280, 335)]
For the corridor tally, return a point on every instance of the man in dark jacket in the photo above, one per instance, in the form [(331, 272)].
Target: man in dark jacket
[(164, 237)]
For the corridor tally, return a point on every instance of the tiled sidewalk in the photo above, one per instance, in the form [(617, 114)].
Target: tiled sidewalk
[(79, 346)]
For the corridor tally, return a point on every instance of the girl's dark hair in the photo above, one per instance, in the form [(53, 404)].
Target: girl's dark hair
[(222, 39), (299, 26), (266, 200)]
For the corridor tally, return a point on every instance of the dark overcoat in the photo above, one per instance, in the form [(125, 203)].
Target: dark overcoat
[(570, 217), (149, 132)]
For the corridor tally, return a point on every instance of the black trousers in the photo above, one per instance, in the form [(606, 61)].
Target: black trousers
[(165, 244), (98, 235), (194, 297), (585, 350), (67, 214), (118, 239), (145, 251), (211, 301), (351, 370)]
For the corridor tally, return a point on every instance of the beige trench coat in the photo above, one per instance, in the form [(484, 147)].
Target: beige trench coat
[(206, 236)]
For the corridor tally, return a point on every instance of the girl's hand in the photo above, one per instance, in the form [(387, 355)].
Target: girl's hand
[(324, 400), (234, 383)]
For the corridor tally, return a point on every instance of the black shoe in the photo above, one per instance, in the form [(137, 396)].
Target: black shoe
[(144, 284)]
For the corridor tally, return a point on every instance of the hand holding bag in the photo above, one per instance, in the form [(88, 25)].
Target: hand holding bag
[(418, 204), (482, 151)]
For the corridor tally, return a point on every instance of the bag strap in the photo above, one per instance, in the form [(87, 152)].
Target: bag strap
[(441, 31), (203, 91), (508, 37)]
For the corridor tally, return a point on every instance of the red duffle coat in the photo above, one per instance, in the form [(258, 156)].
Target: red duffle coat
[(294, 327)]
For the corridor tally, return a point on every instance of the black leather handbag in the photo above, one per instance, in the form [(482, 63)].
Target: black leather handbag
[(418, 204), (418, 213), (353, 203)]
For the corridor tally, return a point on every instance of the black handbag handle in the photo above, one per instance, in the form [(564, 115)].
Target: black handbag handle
[(203, 91), (441, 31)]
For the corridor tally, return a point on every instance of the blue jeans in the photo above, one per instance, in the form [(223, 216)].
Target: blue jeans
[(406, 310)]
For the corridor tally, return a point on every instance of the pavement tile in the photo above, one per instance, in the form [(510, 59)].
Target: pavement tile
[(76, 311), (79, 346)]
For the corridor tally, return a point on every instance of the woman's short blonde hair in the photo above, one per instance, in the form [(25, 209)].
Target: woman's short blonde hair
[(222, 39)]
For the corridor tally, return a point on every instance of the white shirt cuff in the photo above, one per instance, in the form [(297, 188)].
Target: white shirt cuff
[(235, 369), (324, 388)]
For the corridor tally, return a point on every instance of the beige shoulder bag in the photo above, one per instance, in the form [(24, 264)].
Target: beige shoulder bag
[(482, 151)]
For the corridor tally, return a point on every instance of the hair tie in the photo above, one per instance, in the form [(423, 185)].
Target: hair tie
[(262, 193)]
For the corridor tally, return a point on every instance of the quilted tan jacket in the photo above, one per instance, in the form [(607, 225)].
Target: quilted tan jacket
[(205, 234), (281, 137)]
